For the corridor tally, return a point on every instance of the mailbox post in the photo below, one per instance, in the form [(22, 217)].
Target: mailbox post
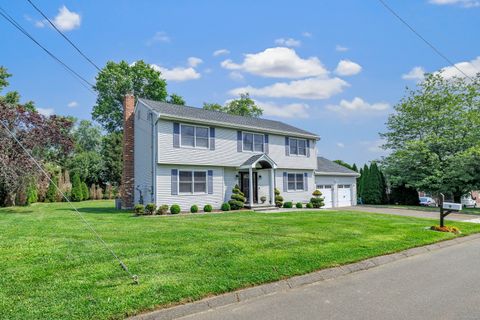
[(446, 208)]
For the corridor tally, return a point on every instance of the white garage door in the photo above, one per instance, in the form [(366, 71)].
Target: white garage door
[(344, 195), (326, 190)]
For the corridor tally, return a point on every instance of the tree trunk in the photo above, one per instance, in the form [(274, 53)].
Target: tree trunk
[(10, 199)]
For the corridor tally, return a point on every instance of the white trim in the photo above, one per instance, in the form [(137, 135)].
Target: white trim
[(253, 142), (194, 136), (193, 183), (325, 173), (263, 157), (303, 182)]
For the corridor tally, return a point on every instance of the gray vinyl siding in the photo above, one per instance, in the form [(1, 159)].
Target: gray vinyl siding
[(143, 154), (225, 153), (335, 181), (295, 196), (223, 181)]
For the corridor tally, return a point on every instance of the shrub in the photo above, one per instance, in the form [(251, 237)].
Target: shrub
[(194, 208), (263, 199), (278, 198), (288, 204), (85, 192), (51, 195), (226, 206), (150, 208), (317, 200), (32, 193), (237, 199), (207, 208), (299, 205), (139, 209), (309, 205), (175, 209), (446, 229), (163, 209), (77, 192)]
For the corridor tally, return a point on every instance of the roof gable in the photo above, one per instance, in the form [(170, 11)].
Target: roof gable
[(326, 166)]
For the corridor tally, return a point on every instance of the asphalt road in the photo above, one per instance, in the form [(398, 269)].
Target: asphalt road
[(442, 284)]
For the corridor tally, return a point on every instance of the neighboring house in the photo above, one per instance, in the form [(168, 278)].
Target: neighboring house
[(185, 155)]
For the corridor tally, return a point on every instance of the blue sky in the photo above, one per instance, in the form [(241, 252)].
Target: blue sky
[(335, 68)]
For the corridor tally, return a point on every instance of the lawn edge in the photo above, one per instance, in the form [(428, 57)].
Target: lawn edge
[(245, 294)]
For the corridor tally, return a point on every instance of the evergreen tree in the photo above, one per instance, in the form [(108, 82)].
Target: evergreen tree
[(32, 193), (237, 199), (85, 192), (77, 192), (51, 195), (354, 167), (404, 195)]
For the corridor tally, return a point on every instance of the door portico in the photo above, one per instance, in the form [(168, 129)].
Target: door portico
[(255, 165)]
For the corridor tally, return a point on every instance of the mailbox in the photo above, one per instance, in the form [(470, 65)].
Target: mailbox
[(452, 206)]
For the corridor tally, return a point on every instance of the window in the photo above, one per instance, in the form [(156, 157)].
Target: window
[(324, 186), (192, 181), (194, 137), (253, 142), (295, 181), (298, 147)]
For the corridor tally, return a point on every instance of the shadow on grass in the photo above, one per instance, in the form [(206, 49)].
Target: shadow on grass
[(16, 210), (95, 210)]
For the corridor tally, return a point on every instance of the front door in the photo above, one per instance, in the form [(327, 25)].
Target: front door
[(245, 186)]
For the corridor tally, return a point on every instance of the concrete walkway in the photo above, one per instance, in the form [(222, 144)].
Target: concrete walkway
[(439, 284), (415, 213)]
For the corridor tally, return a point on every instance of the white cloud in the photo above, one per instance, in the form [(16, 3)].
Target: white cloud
[(311, 88), (348, 68), (288, 42), (237, 76), (47, 112), (374, 146), (177, 73), (160, 36), (67, 20), (279, 62), (39, 24), (470, 68), (416, 74), (461, 3), (307, 34), (340, 145), (72, 104), (194, 61), (356, 106), (220, 52), (293, 110), (341, 48)]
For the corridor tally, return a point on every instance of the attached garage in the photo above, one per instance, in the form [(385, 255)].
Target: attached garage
[(337, 183)]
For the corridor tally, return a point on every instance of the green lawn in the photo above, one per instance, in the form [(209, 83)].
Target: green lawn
[(51, 267), (421, 208)]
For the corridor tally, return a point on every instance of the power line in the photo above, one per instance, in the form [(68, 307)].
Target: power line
[(64, 36), (88, 225), (423, 39), (12, 21)]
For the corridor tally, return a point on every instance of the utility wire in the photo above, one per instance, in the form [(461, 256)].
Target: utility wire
[(89, 226), (423, 39), (12, 21), (64, 36)]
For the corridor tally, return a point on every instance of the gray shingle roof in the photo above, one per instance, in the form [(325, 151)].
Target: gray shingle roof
[(325, 165), (252, 159), (208, 116)]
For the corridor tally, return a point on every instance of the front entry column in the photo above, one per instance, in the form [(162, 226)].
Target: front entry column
[(250, 186), (272, 186)]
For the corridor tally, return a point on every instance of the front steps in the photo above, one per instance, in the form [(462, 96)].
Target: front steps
[(262, 207)]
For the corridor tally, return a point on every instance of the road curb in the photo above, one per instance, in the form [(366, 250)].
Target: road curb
[(294, 282)]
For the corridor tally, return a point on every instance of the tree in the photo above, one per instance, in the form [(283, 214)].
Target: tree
[(32, 193), (434, 132), (87, 137), (373, 186), (243, 106), (176, 99), (4, 75), (77, 190), (88, 165), (111, 155), (116, 80), (85, 192), (343, 163), (51, 195), (404, 195), (354, 167)]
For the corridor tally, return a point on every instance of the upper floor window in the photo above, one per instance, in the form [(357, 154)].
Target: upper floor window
[(295, 182), (298, 147), (253, 142), (194, 136)]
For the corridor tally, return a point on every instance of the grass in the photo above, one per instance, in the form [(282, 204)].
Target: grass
[(475, 211), (51, 267)]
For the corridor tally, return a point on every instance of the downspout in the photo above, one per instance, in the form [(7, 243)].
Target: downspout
[(153, 149)]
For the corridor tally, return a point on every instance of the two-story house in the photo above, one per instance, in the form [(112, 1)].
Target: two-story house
[(186, 155)]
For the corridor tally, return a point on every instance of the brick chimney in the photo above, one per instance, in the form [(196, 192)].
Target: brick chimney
[(128, 182)]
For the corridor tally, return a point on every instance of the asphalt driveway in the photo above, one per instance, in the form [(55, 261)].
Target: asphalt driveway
[(441, 284)]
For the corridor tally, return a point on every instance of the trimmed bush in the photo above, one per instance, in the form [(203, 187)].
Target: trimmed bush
[(263, 199), (85, 192), (237, 198), (226, 206), (77, 192), (299, 205), (163, 209), (175, 209), (288, 204), (309, 205), (32, 193), (278, 198), (194, 208), (139, 209), (150, 208), (207, 208), (317, 200)]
